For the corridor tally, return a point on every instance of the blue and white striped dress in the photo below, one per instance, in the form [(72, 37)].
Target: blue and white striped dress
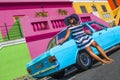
[(82, 39)]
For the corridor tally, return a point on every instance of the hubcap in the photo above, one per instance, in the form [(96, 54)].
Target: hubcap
[(84, 59)]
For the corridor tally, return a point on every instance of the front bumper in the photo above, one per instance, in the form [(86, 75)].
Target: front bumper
[(45, 70)]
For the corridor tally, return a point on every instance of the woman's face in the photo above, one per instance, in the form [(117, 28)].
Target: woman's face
[(72, 21)]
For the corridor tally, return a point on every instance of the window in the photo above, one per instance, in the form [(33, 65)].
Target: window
[(115, 3), (52, 43), (56, 40), (39, 26), (87, 30), (104, 8), (83, 9), (17, 17), (97, 26), (58, 23), (107, 15), (60, 36), (85, 19), (94, 8)]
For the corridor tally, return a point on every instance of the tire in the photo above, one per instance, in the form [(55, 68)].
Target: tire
[(58, 75), (83, 61)]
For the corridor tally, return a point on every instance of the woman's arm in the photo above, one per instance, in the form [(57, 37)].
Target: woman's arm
[(66, 36)]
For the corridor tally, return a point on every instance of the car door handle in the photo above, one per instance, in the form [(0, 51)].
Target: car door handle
[(100, 33)]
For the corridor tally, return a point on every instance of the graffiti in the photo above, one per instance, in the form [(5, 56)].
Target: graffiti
[(62, 12), (41, 14)]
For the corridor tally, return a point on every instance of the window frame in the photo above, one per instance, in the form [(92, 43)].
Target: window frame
[(83, 9), (104, 8), (94, 8), (51, 43)]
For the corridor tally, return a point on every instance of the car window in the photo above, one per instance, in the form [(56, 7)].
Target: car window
[(60, 36), (52, 43), (56, 39), (97, 27), (87, 30)]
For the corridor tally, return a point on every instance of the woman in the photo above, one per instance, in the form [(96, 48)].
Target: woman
[(83, 40)]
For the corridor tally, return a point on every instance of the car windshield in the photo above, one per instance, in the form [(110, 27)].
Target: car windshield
[(52, 43), (56, 39), (96, 26)]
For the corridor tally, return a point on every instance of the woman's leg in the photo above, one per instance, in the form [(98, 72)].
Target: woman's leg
[(94, 44), (95, 56)]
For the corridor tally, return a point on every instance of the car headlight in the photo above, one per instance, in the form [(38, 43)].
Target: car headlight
[(52, 59)]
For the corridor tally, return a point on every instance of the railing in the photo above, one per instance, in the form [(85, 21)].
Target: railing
[(58, 23), (39, 26), (109, 17), (11, 32), (43, 25)]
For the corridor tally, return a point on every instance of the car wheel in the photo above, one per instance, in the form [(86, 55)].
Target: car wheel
[(84, 60), (58, 75)]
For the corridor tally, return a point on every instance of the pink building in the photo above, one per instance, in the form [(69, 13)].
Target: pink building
[(39, 32), (10, 10)]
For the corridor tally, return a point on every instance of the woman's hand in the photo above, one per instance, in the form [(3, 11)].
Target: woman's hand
[(66, 37), (60, 43)]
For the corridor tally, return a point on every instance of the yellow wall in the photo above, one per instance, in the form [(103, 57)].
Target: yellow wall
[(88, 5)]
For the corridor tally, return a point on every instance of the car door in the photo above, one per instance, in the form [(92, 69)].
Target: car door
[(95, 35), (106, 35), (66, 52)]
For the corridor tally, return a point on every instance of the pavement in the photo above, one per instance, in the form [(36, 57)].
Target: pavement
[(98, 71)]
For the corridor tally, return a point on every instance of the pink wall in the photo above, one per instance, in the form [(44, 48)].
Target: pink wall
[(8, 11), (32, 0), (37, 40)]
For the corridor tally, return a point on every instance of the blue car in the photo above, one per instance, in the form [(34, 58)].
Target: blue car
[(57, 58)]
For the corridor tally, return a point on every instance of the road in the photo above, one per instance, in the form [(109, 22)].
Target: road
[(98, 71)]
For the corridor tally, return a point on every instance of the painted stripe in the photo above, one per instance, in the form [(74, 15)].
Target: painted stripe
[(41, 36), (45, 70), (13, 42)]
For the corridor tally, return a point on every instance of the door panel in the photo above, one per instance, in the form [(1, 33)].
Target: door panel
[(65, 53), (107, 37)]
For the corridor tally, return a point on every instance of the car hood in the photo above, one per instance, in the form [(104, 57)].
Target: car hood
[(39, 58)]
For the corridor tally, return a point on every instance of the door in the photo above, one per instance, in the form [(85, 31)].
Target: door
[(106, 35)]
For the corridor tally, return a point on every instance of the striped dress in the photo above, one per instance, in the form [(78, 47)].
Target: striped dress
[(82, 39)]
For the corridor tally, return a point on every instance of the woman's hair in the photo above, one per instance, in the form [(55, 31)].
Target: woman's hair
[(75, 16)]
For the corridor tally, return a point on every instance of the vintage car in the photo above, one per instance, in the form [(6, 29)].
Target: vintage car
[(57, 57)]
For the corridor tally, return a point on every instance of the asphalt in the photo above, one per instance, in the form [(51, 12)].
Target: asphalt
[(98, 71)]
